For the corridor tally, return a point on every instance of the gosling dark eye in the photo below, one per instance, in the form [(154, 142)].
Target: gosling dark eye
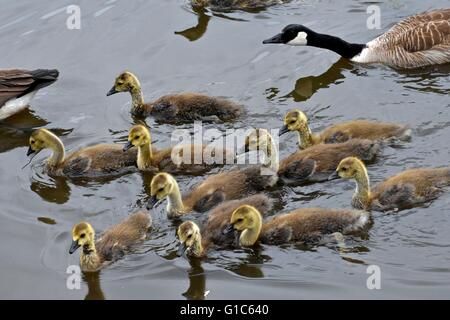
[(344, 169), (136, 137), (82, 236), (189, 236), (160, 189), (240, 220), (292, 122)]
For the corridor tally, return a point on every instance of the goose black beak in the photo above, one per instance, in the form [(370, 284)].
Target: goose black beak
[(275, 39), (127, 146), (152, 202), (182, 249), (284, 129), (112, 91), (74, 247), (30, 151), (334, 176), (228, 230)]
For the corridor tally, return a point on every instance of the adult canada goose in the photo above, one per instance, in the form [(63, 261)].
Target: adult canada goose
[(92, 161), (18, 87), (313, 164), (175, 108), (235, 4), (296, 120), (112, 244), (404, 190), (200, 158), (307, 225), (195, 243), (230, 185), (418, 41)]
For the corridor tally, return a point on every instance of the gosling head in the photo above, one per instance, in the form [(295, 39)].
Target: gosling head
[(161, 186), (295, 120), (294, 35), (245, 217), (82, 234), (190, 239), (125, 82), (40, 139), (138, 136), (349, 168)]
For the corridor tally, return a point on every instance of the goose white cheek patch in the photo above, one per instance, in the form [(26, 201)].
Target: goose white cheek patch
[(299, 40)]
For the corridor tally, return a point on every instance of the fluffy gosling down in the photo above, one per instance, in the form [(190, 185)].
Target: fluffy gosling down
[(215, 189), (296, 121), (93, 161), (113, 243), (404, 190), (150, 159), (306, 225), (195, 242), (18, 87), (175, 108), (417, 41)]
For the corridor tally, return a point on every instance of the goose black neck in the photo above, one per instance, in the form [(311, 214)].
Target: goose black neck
[(341, 47)]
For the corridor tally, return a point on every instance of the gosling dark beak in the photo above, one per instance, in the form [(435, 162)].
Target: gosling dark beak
[(334, 176), (74, 247), (228, 230), (182, 249), (127, 146), (284, 129), (275, 39), (152, 202), (30, 151), (112, 91)]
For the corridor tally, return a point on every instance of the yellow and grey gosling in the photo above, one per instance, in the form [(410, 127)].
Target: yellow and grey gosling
[(314, 164), (176, 108), (112, 244), (404, 190), (196, 243), (151, 159), (215, 189), (296, 120), (93, 161), (236, 4), (18, 87), (307, 225), (418, 41)]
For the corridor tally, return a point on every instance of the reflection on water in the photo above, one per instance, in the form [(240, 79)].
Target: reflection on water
[(95, 291), (197, 281), (196, 32)]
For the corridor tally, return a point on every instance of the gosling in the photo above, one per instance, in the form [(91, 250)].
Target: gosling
[(404, 190), (112, 245)]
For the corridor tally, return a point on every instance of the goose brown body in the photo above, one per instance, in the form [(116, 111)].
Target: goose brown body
[(404, 190), (112, 244), (307, 225), (316, 163), (92, 161), (236, 4), (176, 108), (199, 158), (17, 88), (213, 230), (296, 120), (230, 185)]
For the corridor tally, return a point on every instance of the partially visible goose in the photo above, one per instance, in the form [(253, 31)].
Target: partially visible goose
[(404, 190), (112, 244), (195, 242), (235, 4), (418, 41), (176, 108), (199, 158), (18, 87), (314, 164), (93, 161), (296, 120), (306, 225)]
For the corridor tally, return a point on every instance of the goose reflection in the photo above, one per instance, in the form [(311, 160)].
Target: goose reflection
[(250, 266), (15, 131), (306, 87), (197, 281), (95, 292)]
